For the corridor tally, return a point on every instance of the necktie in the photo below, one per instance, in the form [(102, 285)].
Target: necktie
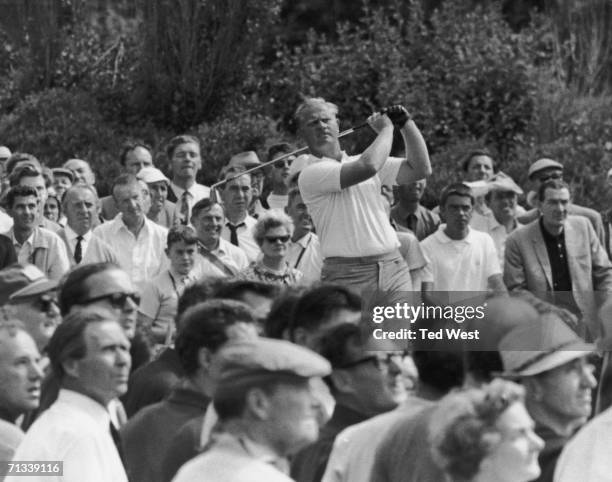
[(411, 222), (78, 250), (234, 232), (184, 208), (116, 439)]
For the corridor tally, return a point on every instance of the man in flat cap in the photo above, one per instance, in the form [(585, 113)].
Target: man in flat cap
[(558, 261), (501, 198), (553, 365), (265, 405), (544, 170)]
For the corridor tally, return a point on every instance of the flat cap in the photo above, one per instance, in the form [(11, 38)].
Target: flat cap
[(21, 281), (533, 348), (245, 159), (542, 164), (151, 174), (263, 359), (503, 182), (62, 171)]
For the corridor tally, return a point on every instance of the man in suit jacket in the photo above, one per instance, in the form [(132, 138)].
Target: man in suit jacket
[(81, 207), (559, 260)]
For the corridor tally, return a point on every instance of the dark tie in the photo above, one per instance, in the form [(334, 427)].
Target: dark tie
[(234, 232), (78, 250), (116, 439), (185, 215), (411, 222)]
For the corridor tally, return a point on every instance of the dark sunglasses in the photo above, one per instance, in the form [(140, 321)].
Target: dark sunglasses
[(274, 239), (282, 163), (372, 359), (118, 300), (47, 302), (555, 176)]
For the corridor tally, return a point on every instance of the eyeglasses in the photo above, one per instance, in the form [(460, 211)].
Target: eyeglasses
[(47, 302), (274, 239), (554, 175), (372, 359), (283, 162), (118, 300)]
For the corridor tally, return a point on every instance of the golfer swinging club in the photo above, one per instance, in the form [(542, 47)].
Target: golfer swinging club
[(343, 195)]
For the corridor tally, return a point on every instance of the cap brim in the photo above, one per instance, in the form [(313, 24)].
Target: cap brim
[(35, 288), (554, 360)]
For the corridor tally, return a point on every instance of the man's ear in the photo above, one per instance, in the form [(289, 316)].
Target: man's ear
[(204, 358), (258, 404), (71, 367), (342, 381), (533, 388)]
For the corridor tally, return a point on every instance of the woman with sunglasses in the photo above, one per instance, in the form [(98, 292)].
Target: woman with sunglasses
[(273, 235)]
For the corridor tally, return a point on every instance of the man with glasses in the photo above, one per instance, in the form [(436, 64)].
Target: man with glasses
[(544, 170), (358, 382), (279, 176)]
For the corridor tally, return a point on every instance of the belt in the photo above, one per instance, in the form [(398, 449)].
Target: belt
[(363, 259)]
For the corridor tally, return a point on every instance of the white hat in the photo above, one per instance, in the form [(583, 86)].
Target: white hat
[(151, 174)]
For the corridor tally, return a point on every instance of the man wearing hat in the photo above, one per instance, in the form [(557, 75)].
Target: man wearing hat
[(547, 169), (81, 207), (552, 364), (135, 155), (265, 406), (501, 198), (161, 211), (558, 261), (248, 160)]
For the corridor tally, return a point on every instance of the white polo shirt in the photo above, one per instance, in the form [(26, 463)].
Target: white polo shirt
[(353, 221), (459, 265)]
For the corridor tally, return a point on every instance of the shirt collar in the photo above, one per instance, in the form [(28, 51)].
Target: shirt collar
[(96, 410), (255, 450), (71, 235), (443, 238), (119, 225), (305, 240)]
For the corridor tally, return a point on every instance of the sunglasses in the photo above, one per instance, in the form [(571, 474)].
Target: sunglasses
[(372, 359), (283, 162), (555, 176), (117, 300), (47, 302), (274, 239)]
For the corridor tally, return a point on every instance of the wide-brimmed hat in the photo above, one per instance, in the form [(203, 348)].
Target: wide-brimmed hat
[(538, 347), (504, 183), (151, 175)]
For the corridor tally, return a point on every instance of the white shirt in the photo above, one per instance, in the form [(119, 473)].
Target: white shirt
[(196, 193), (75, 430), (6, 222), (459, 265), (354, 449), (45, 249), (353, 221), (159, 297), (141, 258), (278, 201), (233, 459), (246, 241), (228, 253), (488, 224), (71, 236), (311, 262), (586, 457)]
